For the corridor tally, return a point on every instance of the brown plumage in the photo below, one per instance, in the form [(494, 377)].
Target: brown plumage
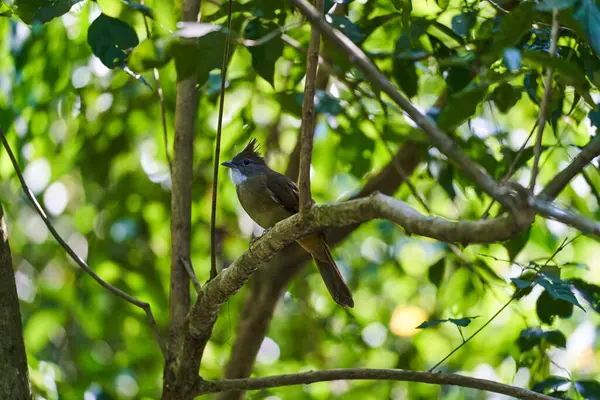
[(269, 197)]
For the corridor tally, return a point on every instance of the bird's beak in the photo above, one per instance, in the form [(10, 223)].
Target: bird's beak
[(227, 164)]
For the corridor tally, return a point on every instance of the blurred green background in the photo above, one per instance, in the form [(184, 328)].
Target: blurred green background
[(90, 141)]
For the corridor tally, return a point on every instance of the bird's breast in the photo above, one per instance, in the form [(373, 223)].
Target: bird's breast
[(256, 200)]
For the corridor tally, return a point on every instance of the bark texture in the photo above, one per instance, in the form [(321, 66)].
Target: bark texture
[(14, 375)]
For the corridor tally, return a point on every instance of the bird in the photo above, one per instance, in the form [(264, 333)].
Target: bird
[(269, 197)]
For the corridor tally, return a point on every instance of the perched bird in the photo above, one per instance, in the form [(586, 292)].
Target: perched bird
[(269, 197)]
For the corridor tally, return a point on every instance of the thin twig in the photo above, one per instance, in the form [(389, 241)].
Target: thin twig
[(161, 101), (511, 168), (308, 114), (213, 219), (367, 374), (545, 102), (187, 264), (78, 260), (514, 296)]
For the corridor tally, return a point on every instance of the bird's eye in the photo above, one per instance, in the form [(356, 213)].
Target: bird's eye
[(246, 161)]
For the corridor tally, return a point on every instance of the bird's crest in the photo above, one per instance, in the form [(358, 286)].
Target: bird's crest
[(251, 151)]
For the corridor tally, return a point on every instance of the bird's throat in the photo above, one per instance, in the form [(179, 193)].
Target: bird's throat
[(237, 177)]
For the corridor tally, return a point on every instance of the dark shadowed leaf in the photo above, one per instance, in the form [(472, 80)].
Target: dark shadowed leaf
[(429, 324), (548, 308), (594, 117), (531, 84), (588, 16), (549, 384), (514, 25), (265, 55), (110, 40), (549, 5), (463, 23), (405, 74), (458, 78), (556, 338), (505, 97), (520, 283), (528, 338), (446, 179), (200, 56), (462, 321), (516, 244), (461, 106), (590, 292), (557, 288), (588, 389), (42, 11), (436, 272), (5, 9), (347, 27)]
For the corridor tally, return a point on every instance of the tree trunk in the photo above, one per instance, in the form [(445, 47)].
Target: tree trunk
[(14, 376)]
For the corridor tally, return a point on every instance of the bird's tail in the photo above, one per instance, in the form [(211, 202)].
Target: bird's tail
[(317, 247), (334, 281)]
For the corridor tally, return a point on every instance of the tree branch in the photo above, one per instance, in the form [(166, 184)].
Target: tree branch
[(74, 256), (186, 108), (368, 374), (545, 102), (14, 383), (204, 312), (567, 217), (560, 181), (217, 164), (308, 115), (444, 143)]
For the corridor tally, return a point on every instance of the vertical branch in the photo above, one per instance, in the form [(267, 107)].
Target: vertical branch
[(545, 102), (181, 197), (308, 114), (14, 375), (161, 102), (213, 216)]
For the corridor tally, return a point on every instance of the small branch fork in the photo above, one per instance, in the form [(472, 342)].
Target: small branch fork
[(78, 260), (204, 387)]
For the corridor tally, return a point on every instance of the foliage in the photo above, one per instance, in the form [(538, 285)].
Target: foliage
[(88, 133)]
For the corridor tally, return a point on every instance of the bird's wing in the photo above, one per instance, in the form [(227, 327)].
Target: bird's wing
[(284, 192)]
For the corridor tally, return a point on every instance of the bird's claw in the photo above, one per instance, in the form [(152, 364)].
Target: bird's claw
[(254, 239)]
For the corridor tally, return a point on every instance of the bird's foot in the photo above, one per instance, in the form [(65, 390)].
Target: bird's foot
[(254, 239)]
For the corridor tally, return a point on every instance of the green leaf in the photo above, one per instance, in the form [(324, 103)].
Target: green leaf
[(528, 338), (446, 179), (264, 56), (590, 292), (520, 283), (547, 308), (516, 244), (42, 11), (514, 25), (199, 57), (458, 78), (463, 23), (505, 96), (110, 39), (113, 8), (571, 72), (461, 106), (405, 74), (588, 389), (458, 322), (549, 5), (436, 272), (557, 288), (5, 9), (429, 324), (588, 16), (550, 384), (462, 321), (151, 53), (556, 338)]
